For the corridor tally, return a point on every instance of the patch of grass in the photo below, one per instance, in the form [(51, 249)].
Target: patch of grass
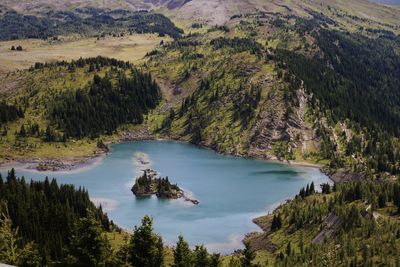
[(131, 48)]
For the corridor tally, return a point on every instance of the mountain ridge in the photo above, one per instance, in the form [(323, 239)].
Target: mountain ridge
[(220, 11)]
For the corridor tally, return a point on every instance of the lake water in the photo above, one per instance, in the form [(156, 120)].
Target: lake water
[(231, 190)]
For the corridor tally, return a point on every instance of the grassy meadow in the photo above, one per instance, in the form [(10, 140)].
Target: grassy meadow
[(128, 48)]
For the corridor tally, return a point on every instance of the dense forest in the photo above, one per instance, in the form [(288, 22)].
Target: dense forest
[(237, 44), (106, 105), (87, 22), (46, 212)]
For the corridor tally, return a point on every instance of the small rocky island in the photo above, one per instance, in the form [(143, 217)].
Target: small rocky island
[(151, 184)]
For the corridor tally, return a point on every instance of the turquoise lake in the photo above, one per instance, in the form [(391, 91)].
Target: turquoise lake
[(232, 191)]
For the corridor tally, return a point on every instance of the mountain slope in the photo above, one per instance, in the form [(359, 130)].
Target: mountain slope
[(219, 12)]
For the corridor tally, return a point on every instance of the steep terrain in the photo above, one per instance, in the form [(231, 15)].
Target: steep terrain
[(276, 80), (219, 12), (314, 81)]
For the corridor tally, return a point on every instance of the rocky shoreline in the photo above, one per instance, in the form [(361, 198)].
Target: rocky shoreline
[(75, 164), (151, 184), (143, 134)]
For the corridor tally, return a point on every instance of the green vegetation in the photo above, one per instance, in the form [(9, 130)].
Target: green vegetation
[(78, 100), (44, 224), (9, 113), (102, 108), (86, 22), (296, 91), (355, 224), (148, 184), (45, 213), (354, 84), (12, 251), (322, 89), (237, 44)]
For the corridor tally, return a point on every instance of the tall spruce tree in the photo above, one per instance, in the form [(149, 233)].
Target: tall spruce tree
[(146, 247), (182, 254), (201, 258), (89, 246)]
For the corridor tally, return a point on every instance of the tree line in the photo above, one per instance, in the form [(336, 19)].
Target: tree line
[(45, 213)]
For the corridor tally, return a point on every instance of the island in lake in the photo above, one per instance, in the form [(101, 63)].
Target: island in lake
[(151, 184)]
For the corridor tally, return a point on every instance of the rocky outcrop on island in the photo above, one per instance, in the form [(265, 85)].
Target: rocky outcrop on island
[(151, 184)]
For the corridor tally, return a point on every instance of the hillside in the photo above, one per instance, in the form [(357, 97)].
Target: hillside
[(308, 81), (352, 224), (277, 87), (251, 73), (219, 12)]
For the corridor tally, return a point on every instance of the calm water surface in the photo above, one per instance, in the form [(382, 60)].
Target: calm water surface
[(231, 190)]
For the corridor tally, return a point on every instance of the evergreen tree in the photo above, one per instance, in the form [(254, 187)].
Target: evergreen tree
[(276, 222), (46, 213), (122, 255), (215, 260), (182, 254), (146, 247), (11, 251), (89, 247), (201, 258), (248, 256)]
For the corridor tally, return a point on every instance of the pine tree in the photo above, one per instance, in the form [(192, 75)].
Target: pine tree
[(215, 260), (276, 222), (201, 258), (11, 251), (89, 246), (182, 254), (312, 189), (146, 247), (248, 256)]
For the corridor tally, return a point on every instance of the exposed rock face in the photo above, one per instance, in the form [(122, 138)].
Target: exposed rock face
[(342, 176), (332, 224), (272, 126)]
